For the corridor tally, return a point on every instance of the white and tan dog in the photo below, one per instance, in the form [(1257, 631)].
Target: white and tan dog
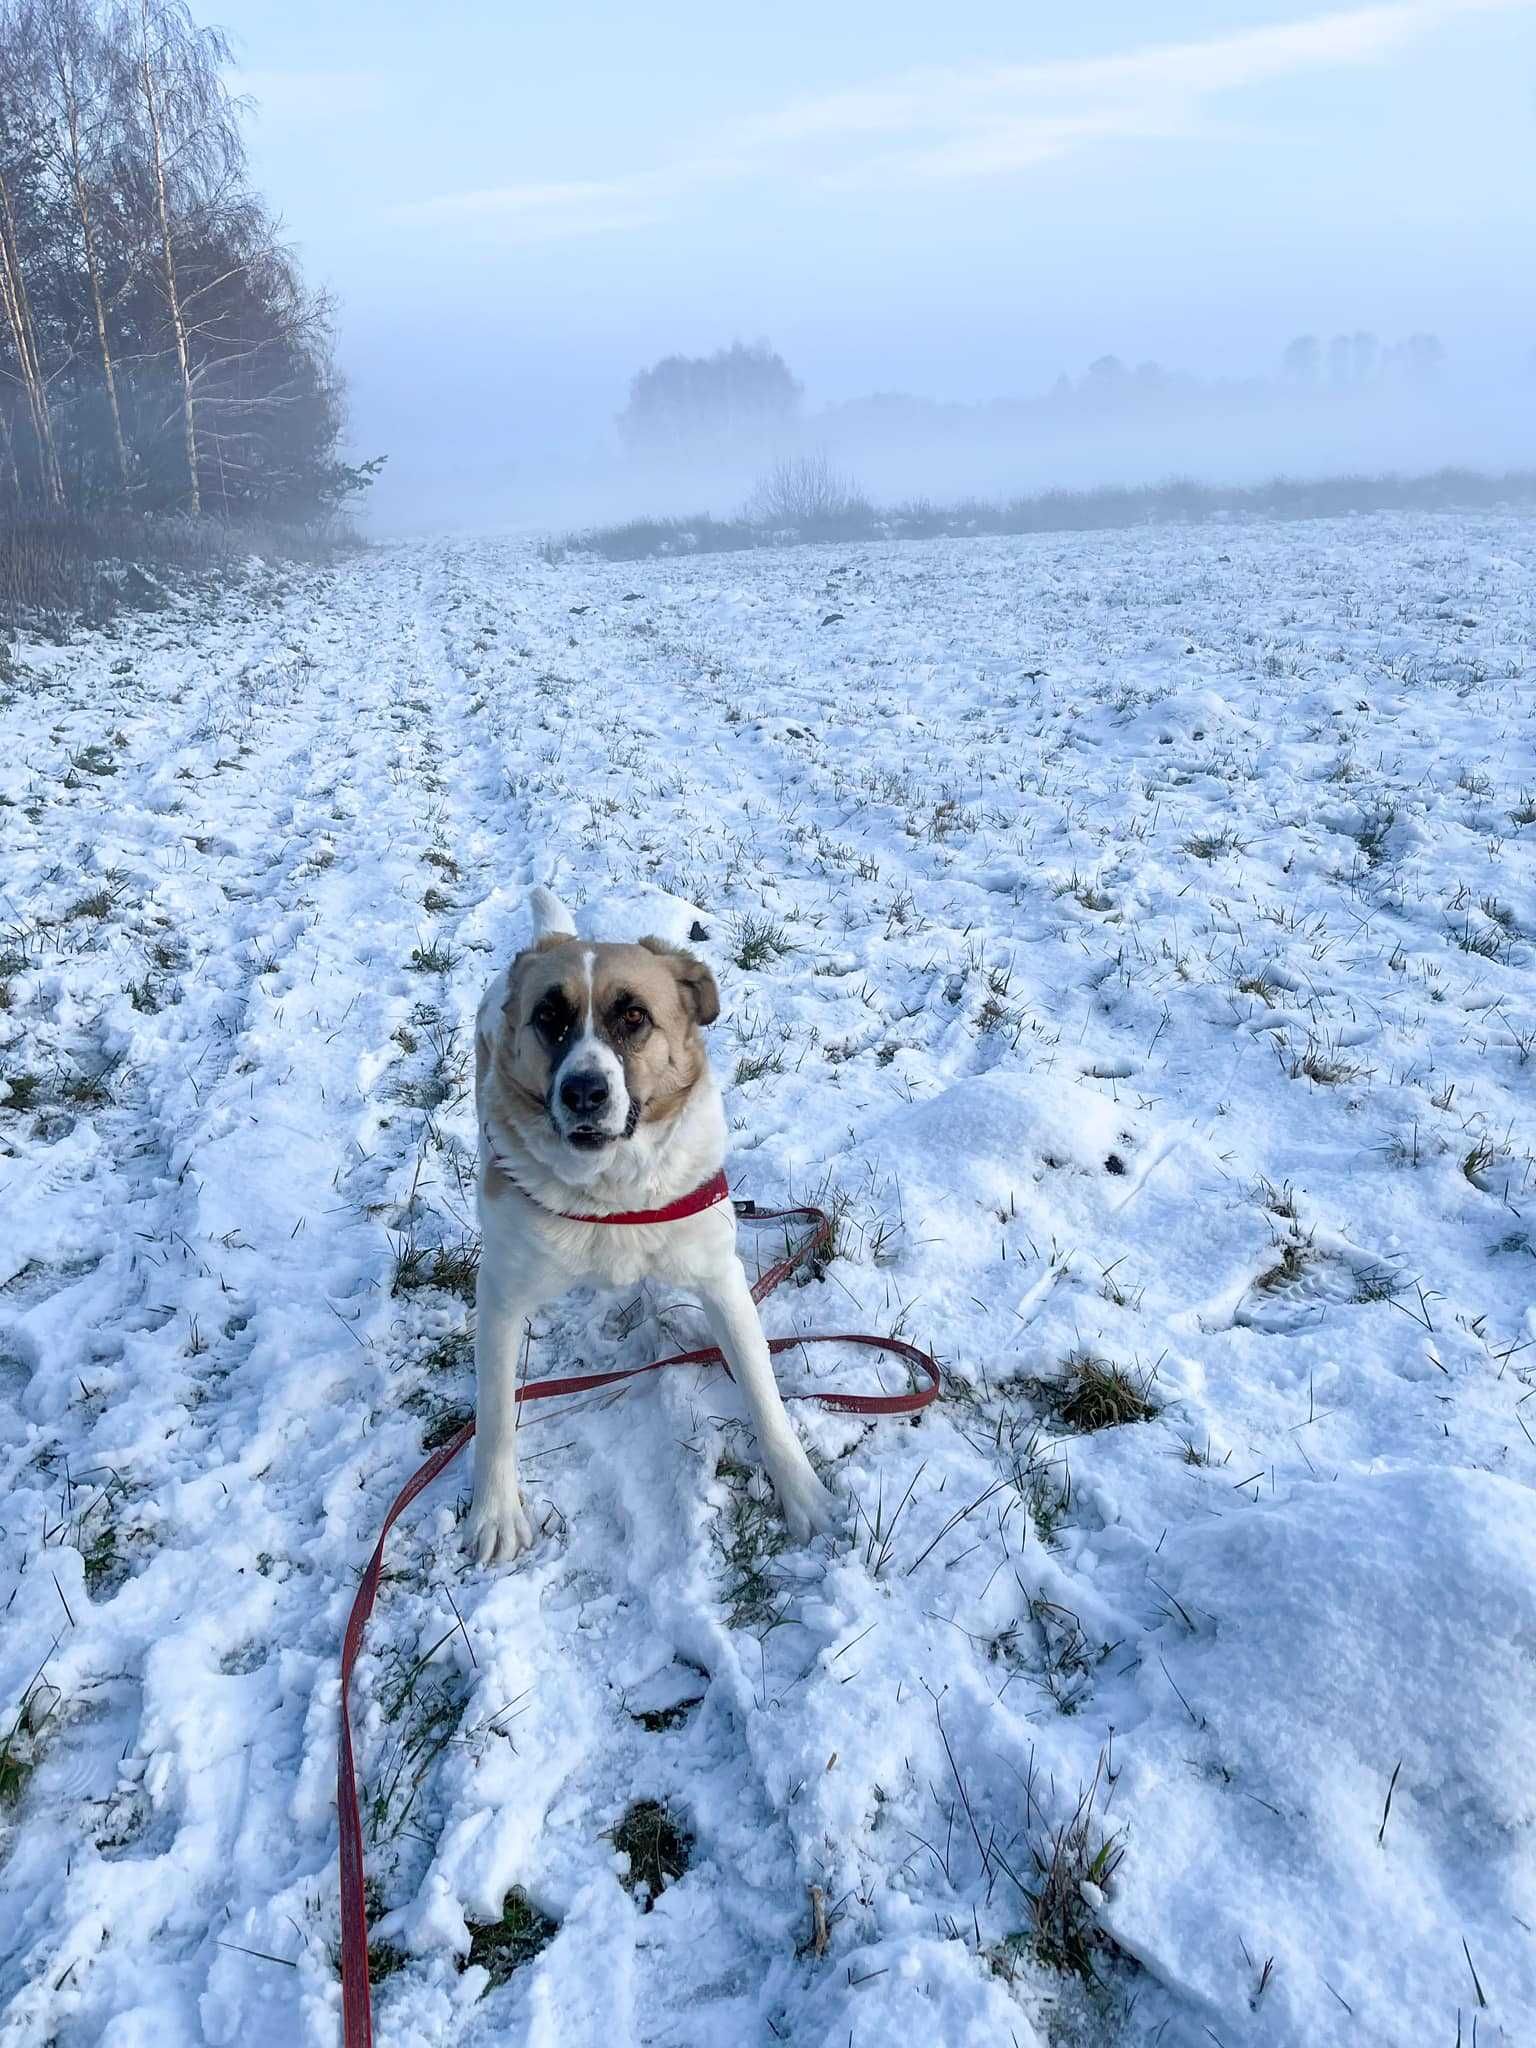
[(594, 1094)]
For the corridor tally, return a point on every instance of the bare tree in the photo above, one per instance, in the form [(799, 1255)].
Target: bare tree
[(157, 342), (80, 80), (805, 491), (192, 151), (18, 96)]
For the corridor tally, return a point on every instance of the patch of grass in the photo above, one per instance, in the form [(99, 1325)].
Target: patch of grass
[(16, 1766), (1212, 845), (1324, 1066), (1486, 941), (433, 958), (88, 1091), (1377, 1283), (385, 1959), (453, 1353), (1088, 893), (1374, 830), (999, 1420), (501, 1946), (995, 1015), (1500, 913), (658, 1846), (19, 1744), (103, 1561), (750, 1535), (1047, 1498), (1079, 1855), (23, 1091), (98, 903), (658, 1720), (446, 1423), (1296, 1255), (1094, 1393), (1262, 989), (428, 1091), (1069, 1658), (757, 939), (444, 862), (753, 1066), (425, 1705), (453, 1267), (1484, 1159), (145, 995)]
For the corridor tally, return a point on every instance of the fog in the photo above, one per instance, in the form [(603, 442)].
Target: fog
[(564, 466), (940, 225)]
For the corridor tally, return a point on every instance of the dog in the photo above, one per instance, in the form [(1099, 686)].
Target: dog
[(594, 1095)]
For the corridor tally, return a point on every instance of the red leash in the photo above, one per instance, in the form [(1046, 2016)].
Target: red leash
[(356, 1998)]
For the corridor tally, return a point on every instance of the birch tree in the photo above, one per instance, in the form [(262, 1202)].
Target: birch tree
[(80, 80), (192, 152), (158, 344), (18, 140)]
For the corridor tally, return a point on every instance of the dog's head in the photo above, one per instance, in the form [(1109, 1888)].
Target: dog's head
[(600, 1040)]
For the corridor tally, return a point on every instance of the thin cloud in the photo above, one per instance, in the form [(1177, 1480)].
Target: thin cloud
[(951, 124)]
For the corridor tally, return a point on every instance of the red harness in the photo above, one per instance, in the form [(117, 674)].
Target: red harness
[(356, 1996)]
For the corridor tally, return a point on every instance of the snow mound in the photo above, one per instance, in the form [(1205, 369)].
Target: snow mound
[(1387, 1629)]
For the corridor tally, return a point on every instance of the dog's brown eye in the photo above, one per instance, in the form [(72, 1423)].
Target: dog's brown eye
[(633, 1018)]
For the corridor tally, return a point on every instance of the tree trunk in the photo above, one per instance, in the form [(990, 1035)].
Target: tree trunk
[(93, 269), (18, 313), (173, 296)]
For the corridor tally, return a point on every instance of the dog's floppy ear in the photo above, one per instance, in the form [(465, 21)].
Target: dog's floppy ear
[(542, 944), (694, 978)]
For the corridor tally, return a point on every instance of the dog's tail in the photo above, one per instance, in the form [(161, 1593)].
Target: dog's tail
[(549, 915)]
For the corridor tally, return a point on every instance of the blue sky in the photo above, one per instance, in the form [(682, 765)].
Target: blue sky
[(955, 201)]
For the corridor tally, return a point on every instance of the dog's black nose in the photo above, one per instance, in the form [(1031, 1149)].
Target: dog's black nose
[(584, 1094)]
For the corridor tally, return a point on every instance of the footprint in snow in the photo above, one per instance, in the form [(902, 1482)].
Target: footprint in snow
[(1298, 1290)]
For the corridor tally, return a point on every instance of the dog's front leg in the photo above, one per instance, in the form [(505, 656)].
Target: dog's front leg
[(498, 1526), (737, 1329)]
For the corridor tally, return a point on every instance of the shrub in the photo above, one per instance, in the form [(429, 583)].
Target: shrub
[(807, 495)]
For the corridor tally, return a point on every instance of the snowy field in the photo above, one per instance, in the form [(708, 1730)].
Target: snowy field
[(1131, 937)]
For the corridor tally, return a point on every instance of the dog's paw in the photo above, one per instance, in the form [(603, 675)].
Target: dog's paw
[(498, 1528), (808, 1509)]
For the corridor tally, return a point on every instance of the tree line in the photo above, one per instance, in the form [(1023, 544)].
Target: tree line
[(746, 396), (159, 349)]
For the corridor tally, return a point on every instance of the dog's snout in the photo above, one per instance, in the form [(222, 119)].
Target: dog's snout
[(584, 1094)]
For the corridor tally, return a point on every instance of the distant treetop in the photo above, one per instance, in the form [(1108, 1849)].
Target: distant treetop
[(738, 395)]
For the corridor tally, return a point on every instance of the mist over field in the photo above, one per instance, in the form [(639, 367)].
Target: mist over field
[(567, 465), (933, 223)]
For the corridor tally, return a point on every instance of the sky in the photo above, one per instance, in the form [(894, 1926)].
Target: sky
[(517, 207)]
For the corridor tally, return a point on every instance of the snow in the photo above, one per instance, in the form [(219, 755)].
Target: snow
[(1141, 933)]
